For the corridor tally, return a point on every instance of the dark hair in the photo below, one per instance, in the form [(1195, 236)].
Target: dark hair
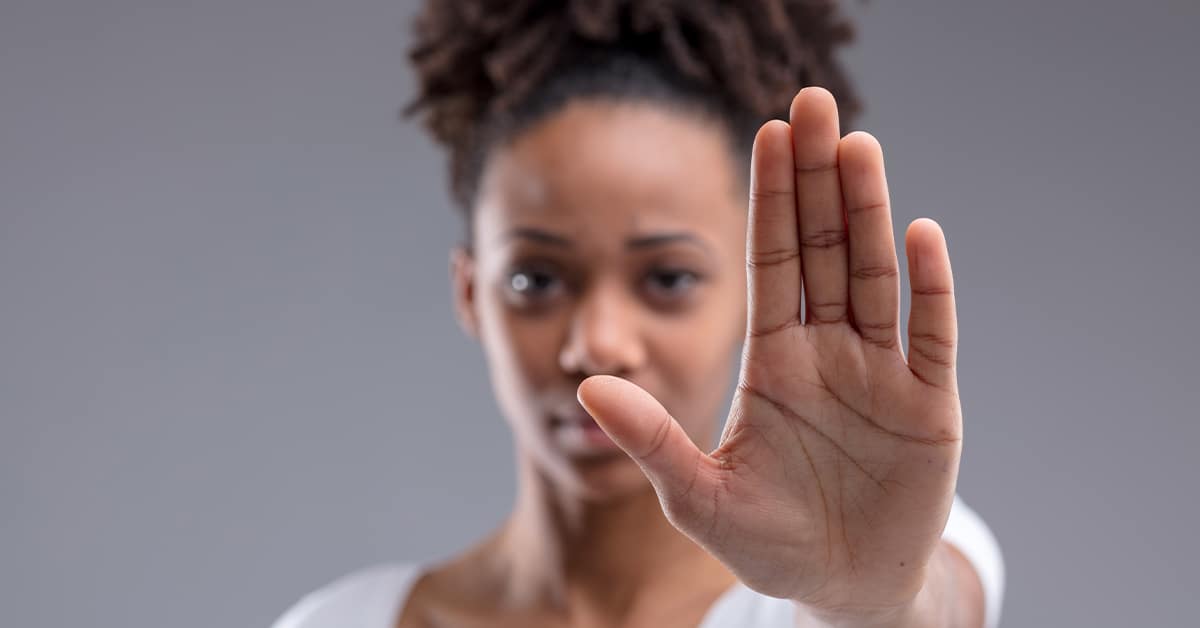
[(490, 68)]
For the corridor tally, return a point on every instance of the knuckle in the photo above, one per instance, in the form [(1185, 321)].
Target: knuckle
[(869, 207), (933, 349), (761, 195), (883, 271), (824, 238), (771, 258), (659, 438)]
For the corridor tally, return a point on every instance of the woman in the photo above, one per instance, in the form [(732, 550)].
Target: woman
[(611, 273)]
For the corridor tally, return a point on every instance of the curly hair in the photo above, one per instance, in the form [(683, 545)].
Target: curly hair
[(489, 68)]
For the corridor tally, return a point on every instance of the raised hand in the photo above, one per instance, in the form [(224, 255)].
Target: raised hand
[(837, 468)]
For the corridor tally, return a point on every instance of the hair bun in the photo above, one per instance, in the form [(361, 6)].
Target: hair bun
[(473, 57)]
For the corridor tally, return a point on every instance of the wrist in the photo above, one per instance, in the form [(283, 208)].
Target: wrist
[(919, 613), (926, 609)]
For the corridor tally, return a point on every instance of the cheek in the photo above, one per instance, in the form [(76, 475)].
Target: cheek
[(521, 353), (697, 381), (695, 357)]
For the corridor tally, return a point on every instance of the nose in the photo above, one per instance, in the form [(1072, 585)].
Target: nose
[(604, 337)]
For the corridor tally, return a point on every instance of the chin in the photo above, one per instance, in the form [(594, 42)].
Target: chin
[(604, 479)]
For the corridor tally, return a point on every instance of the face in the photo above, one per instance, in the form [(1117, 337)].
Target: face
[(608, 239)]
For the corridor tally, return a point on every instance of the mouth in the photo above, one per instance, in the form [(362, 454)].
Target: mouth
[(577, 432)]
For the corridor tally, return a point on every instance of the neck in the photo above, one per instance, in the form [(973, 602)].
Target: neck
[(559, 550)]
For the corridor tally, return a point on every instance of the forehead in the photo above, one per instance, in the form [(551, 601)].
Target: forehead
[(595, 169)]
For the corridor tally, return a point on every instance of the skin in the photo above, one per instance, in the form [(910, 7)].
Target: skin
[(616, 273)]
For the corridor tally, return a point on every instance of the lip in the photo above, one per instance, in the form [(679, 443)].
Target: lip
[(577, 432), (576, 415)]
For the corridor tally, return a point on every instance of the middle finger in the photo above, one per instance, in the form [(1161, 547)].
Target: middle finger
[(823, 249)]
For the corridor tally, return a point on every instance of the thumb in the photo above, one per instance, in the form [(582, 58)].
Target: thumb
[(641, 426)]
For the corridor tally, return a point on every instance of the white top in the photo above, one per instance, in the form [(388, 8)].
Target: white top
[(374, 597)]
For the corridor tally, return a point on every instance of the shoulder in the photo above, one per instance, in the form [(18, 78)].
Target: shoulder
[(366, 598)]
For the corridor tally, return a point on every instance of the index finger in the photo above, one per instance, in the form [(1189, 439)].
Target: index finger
[(773, 271)]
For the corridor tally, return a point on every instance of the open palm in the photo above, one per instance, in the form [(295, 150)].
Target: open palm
[(837, 467)]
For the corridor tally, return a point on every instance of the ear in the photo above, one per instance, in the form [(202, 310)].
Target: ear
[(462, 282)]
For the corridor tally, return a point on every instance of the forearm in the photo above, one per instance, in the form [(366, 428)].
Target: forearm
[(951, 598)]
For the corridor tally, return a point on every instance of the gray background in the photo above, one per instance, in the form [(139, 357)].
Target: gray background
[(229, 370)]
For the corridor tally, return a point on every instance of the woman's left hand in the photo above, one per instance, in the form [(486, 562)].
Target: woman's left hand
[(837, 468)]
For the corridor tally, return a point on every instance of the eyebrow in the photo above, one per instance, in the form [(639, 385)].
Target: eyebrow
[(537, 235), (639, 242)]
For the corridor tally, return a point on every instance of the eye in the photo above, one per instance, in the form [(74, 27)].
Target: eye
[(671, 283), (533, 283)]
